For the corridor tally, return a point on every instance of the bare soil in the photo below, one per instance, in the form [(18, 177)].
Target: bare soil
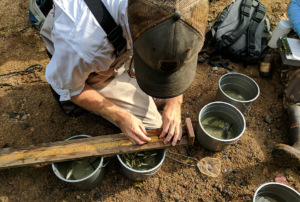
[(29, 93)]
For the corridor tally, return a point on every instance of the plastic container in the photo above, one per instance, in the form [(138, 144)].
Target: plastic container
[(139, 175), (89, 182), (225, 111), (282, 29), (285, 192), (240, 83)]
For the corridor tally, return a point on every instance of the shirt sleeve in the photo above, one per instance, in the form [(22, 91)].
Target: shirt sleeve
[(80, 48)]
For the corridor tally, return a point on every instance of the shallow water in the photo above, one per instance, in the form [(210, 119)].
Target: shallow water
[(234, 95), (268, 197), (218, 128), (144, 160), (84, 167)]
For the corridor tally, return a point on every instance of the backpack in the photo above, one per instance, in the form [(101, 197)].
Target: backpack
[(240, 33), (38, 9)]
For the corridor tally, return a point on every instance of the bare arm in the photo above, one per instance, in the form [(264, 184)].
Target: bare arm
[(131, 126)]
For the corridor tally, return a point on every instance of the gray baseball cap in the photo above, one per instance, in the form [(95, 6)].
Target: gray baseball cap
[(167, 37)]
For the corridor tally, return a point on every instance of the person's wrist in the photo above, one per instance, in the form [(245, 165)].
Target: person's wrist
[(122, 115), (176, 101)]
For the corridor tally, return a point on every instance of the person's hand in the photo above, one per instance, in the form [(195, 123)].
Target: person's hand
[(172, 120), (133, 128)]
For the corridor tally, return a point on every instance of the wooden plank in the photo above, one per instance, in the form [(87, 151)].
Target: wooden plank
[(80, 148), (190, 131)]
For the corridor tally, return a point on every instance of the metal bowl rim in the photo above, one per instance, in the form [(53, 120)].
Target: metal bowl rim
[(230, 105), (246, 101), (273, 183), (144, 171), (73, 181)]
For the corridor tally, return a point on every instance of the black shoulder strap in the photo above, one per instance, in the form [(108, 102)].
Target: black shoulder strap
[(255, 21), (114, 32), (245, 17)]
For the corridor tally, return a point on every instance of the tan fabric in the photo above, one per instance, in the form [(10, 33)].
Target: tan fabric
[(291, 78), (124, 92)]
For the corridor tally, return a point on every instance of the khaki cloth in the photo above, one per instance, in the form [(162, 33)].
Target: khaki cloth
[(115, 84), (290, 77)]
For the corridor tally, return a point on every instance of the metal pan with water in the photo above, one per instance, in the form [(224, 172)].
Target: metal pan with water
[(274, 191), (139, 175), (82, 177), (222, 111), (238, 90)]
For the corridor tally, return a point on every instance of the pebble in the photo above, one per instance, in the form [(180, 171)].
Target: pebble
[(215, 185), (270, 145), (214, 69), (243, 184), (25, 117), (225, 170), (17, 117), (233, 179), (225, 156), (230, 170), (103, 191), (258, 123), (211, 75), (268, 119), (24, 126), (78, 197), (201, 100), (102, 198), (272, 110), (184, 174), (96, 196), (240, 142), (3, 114), (197, 186), (251, 147)]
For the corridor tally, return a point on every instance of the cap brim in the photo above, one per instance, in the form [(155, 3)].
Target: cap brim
[(164, 85)]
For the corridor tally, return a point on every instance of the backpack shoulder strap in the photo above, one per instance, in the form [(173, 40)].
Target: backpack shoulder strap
[(245, 17), (114, 32), (259, 15)]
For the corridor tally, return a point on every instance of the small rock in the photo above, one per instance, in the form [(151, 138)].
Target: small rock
[(201, 100), (211, 75), (215, 185), (225, 156), (240, 142), (243, 183), (102, 198), (184, 174), (270, 130), (233, 179), (270, 145), (258, 123), (78, 197), (25, 117), (266, 172), (24, 126), (96, 196), (220, 188), (17, 117), (3, 114), (17, 54), (12, 115), (197, 186), (103, 191), (3, 198), (230, 170), (225, 170), (251, 147), (214, 69), (272, 110), (268, 119)]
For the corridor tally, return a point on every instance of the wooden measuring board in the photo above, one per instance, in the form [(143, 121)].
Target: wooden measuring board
[(86, 147)]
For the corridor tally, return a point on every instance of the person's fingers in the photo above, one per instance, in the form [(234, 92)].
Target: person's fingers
[(176, 135), (136, 139), (138, 133), (165, 130), (180, 132), (133, 141), (170, 134), (146, 138)]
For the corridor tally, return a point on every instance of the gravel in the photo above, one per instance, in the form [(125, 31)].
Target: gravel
[(268, 119)]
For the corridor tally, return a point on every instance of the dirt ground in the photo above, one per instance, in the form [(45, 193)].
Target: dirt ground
[(29, 94)]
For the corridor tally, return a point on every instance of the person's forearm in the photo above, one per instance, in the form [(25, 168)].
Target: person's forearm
[(93, 101), (175, 100)]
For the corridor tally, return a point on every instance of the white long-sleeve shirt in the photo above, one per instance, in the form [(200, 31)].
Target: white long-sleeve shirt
[(81, 45)]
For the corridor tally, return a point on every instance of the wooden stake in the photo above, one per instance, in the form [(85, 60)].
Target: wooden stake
[(87, 147)]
